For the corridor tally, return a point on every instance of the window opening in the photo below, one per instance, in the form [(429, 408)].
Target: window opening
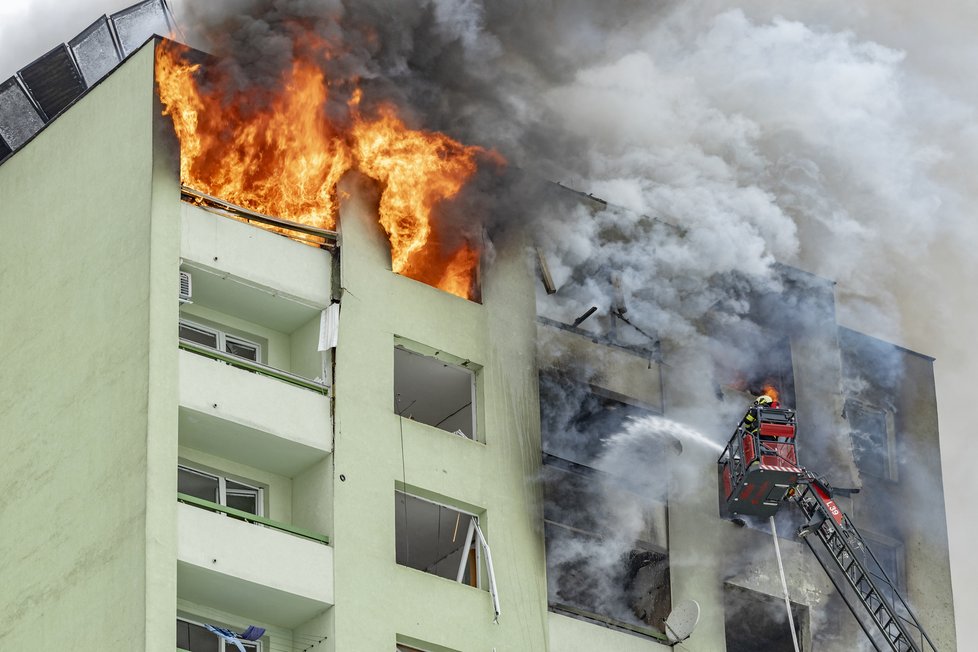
[(604, 564), (757, 621), (194, 637), (220, 340), (442, 541), (633, 589), (889, 553), (220, 490), (434, 392), (870, 436)]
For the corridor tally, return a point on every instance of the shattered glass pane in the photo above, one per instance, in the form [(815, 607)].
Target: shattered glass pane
[(95, 51), (19, 120), (136, 24)]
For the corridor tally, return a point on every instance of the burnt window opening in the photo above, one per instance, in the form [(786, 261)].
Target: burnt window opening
[(757, 621), (871, 431), (749, 368), (437, 390), (577, 421), (607, 550), (605, 513), (631, 592)]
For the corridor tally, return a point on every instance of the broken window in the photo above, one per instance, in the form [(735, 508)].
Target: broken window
[(194, 637), (889, 553), (577, 421), (437, 390), (757, 621), (595, 576), (744, 372), (442, 541), (604, 509), (432, 538), (220, 490), (219, 340), (870, 433)]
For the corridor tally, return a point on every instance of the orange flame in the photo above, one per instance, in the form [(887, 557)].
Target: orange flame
[(277, 154), (772, 391)]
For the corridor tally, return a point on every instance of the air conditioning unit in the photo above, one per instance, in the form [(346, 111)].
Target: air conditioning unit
[(186, 288)]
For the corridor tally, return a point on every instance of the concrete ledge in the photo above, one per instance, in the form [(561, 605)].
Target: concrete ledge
[(250, 418), (246, 569)]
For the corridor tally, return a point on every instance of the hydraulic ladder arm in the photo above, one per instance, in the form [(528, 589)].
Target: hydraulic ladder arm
[(867, 590)]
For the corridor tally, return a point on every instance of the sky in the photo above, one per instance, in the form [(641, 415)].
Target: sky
[(938, 57)]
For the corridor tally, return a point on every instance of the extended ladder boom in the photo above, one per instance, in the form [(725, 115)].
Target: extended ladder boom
[(865, 582)]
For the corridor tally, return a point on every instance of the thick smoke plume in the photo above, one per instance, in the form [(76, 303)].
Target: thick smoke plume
[(761, 139)]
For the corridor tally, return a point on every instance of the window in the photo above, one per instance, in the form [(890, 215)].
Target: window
[(871, 439), (606, 522), (442, 541), (890, 555), (757, 621), (220, 490), (216, 339), (631, 588), (435, 390), (194, 637)]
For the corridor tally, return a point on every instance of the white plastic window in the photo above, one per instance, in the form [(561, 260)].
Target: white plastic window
[(220, 340), (443, 541), (220, 490)]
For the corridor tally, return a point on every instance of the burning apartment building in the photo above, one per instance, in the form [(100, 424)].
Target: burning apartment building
[(405, 396)]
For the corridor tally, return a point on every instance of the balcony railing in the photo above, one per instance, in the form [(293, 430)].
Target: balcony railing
[(323, 238), (252, 518), (250, 365), (610, 623)]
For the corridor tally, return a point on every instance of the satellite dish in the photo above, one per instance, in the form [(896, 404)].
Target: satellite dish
[(682, 621)]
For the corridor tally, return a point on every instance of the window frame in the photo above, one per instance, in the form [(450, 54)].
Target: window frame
[(223, 338), (476, 540), (435, 356), (222, 481), (224, 645), (473, 544), (890, 463), (876, 542)]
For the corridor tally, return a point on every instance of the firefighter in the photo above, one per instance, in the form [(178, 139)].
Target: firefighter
[(750, 419)]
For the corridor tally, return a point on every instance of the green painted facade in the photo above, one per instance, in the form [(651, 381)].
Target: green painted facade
[(91, 243)]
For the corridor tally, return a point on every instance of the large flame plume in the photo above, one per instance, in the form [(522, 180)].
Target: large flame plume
[(275, 152)]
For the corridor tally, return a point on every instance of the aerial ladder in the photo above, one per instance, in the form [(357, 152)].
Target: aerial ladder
[(759, 472)]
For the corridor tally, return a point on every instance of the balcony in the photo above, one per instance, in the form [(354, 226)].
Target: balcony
[(251, 418), (627, 374), (251, 257), (260, 569)]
